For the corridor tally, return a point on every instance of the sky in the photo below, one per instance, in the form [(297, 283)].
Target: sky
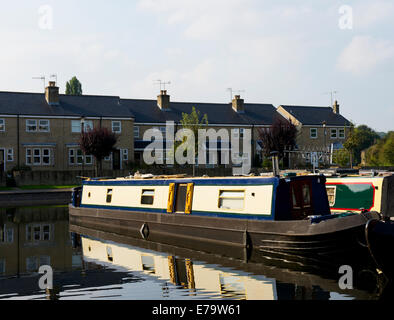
[(268, 51)]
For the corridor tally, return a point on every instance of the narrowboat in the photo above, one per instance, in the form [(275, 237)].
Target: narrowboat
[(273, 215), (362, 193)]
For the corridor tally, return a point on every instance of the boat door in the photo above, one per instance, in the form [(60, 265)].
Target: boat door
[(301, 199), (180, 198)]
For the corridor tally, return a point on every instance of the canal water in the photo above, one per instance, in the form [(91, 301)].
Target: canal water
[(98, 266)]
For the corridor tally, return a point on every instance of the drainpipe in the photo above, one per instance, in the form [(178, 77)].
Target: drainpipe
[(17, 141)]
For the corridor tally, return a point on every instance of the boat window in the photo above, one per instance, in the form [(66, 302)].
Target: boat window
[(147, 197), (109, 195), (296, 204), (306, 195), (331, 195), (231, 199)]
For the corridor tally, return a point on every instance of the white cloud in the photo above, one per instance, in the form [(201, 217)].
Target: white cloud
[(364, 54)]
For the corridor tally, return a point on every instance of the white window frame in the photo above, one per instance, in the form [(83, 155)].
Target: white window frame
[(31, 123), (10, 155), (334, 130), (2, 125), (31, 156), (30, 234), (339, 134), (125, 154), (311, 135), (117, 124), (79, 158), (76, 126), (44, 124), (136, 132), (36, 156)]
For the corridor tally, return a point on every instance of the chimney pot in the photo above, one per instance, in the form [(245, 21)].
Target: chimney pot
[(52, 93), (238, 104), (335, 107), (163, 100)]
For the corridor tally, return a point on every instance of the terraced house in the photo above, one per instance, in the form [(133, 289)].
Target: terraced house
[(236, 116), (42, 130), (319, 128)]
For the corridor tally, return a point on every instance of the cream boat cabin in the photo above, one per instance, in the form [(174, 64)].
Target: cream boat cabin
[(286, 216), (212, 197)]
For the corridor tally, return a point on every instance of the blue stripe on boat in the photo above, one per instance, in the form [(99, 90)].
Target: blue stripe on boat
[(195, 213)]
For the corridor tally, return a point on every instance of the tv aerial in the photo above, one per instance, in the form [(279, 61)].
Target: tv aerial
[(40, 78), (162, 84), (232, 92)]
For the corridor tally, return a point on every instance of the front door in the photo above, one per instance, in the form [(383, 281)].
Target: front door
[(116, 160), (2, 161)]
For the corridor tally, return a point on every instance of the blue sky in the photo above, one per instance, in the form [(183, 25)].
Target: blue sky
[(279, 52)]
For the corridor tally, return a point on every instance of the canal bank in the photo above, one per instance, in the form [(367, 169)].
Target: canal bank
[(35, 197)]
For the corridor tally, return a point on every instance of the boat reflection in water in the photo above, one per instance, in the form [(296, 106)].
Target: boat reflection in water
[(91, 264), (194, 274)]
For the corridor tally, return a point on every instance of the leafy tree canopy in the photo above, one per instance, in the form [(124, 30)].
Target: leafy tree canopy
[(74, 87)]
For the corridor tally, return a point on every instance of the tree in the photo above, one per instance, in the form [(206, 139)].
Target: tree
[(74, 87), (193, 121), (359, 139), (280, 135), (381, 153), (99, 143)]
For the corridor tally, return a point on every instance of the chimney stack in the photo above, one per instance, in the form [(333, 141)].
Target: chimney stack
[(335, 107), (163, 100), (52, 93), (238, 104)]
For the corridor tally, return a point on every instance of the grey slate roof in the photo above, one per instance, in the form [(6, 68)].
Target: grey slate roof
[(34, 104), (316, 115), (147, 111)]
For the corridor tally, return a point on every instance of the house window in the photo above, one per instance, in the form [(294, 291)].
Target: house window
[(76, 126), (43, 125), (125, 154), (31, 125), (2, 125), (147, 197), (116, 126), (38, 156), (10, 155), (38, 232), (241, 132), (29, 160), (231, 199), (35, 262), (333, 133), (341, 133), (136, 132), (76, 156), (313, 133), (6, 235)]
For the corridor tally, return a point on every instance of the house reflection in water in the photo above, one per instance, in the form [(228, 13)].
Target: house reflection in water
[(195, 277), (32, 237)]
